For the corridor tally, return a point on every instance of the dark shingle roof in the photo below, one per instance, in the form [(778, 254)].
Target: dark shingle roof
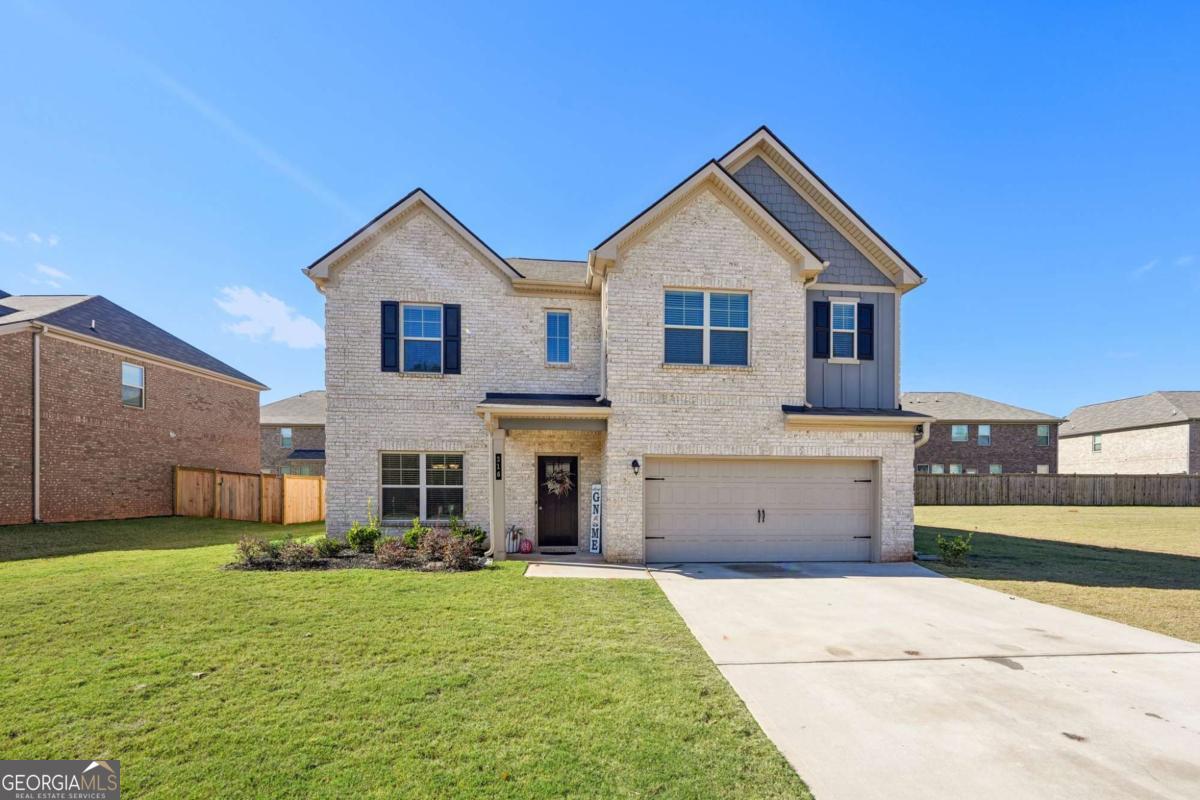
[(525, 399), (1156, 408), (818, 411), (306, 455), (117, 326)]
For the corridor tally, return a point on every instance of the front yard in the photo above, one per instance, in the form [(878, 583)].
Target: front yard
[(126, 640), (1140, 566)]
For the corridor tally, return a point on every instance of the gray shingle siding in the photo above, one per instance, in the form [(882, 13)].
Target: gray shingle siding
[(847, 264), (868, 384)]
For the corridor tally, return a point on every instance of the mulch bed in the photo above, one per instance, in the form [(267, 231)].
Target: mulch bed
[(346, 560)]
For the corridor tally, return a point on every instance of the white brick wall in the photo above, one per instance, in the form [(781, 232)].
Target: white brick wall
[(1145, 451)]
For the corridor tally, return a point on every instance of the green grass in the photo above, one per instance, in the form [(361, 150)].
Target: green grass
[(1140, 566), (356, 683)]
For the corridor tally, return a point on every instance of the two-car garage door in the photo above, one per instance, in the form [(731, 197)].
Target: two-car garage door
[(759, 510)]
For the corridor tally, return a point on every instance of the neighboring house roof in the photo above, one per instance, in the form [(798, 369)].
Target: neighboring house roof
[(963, 407), (306, 455), (94, 317), (306, 408), (1156, 408)]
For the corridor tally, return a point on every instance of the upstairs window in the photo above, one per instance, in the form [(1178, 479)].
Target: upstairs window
[(1043, 435), (710, 328), (959, 433), (285, 437), (422, 338), (843, 342), (133, 385), (984, 436), (1095, 443), (558, 337)]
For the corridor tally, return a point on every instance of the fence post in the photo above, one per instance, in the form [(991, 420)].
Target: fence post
[(216, 493)]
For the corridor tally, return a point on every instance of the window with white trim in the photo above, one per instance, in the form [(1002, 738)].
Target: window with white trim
[(1043, 435), (843, 330), (707, 328), (922, 468), (956, 469), (133, 385), (1095, 443), (558, 337), (424, 485), (960, 433), (285, 437), (1043, 469), (937, 469), (984, 435), (422, 334), (995, 469)]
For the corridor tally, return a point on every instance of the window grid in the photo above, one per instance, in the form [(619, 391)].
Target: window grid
[(558, 337), (723, 317), (420, 325)]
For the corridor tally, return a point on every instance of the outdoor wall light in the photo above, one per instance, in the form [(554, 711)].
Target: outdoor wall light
[(637, 468)]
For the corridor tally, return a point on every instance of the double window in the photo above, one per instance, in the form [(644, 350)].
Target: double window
[(285, 437), (558, 337), (984, 436), (428, 486), (133, 385), (1043, 435), (710, 328), (422, 338), (960, 433)]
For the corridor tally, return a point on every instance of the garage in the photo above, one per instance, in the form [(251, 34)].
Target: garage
[(727, 509)]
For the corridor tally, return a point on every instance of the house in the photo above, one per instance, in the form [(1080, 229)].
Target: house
[(723, 369), (975, 435), (97, 406), (293, 434), (1155, 433)]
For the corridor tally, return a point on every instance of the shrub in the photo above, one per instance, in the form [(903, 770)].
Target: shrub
[(328, 548), (415, 533), (362, 537), (473, 533), (433, 544), (392, 552), (295, 553), (954, 549), (251, 549), (459, 554)]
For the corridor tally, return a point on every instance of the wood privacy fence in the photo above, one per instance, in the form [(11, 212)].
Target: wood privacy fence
[(285, 499), (1057, 490)]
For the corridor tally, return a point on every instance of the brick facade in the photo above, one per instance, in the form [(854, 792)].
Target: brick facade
[(1014, 447), (16, 428), (103, 460), (1164, 449), (274, 456)]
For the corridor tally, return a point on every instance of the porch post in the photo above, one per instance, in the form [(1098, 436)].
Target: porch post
[(496, 504)]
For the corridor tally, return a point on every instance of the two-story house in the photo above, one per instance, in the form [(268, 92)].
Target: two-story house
[(725, 367), (973, 435), (292, 431)]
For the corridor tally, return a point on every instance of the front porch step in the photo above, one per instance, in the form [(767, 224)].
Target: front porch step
[(558, 551)]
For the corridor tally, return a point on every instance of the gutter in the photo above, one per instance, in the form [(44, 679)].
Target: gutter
[(36, 476), (926, 427)]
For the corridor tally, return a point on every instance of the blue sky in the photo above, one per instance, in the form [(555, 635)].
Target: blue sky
[(1040, 163)]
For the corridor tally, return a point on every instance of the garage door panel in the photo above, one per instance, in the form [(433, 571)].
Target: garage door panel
[(707, 510)]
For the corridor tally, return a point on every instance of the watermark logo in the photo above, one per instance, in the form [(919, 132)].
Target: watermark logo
[(60, 780)]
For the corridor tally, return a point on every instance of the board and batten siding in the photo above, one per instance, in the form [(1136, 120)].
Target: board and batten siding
[(867, 384)]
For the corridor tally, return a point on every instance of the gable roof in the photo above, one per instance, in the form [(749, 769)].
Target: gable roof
[(963, 407), (715, 176), (306, 408), (1143, 411), (319, 270), (99, 319), (827, 202)]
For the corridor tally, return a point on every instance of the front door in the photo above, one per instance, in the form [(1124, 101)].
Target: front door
[(558, 501)]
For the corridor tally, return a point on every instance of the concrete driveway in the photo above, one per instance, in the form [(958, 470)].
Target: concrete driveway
[(882, 680)]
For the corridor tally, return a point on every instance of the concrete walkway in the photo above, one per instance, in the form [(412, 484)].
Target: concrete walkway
[(881, 680)]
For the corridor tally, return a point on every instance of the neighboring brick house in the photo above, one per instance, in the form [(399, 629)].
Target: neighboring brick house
[(1156, 433), (725, 366), (973, 435), (119, 402), (293, 434)]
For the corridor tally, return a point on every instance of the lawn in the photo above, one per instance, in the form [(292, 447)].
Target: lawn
[(1140, 566), (127, 640)]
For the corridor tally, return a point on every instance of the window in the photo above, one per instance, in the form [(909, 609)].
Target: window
[(995, 469), (285, 437), (558, 337), (706, 328), (843, 344), (959, 433), (922, 468), (1043, 469), (937, 469), (424, 485), (422, 338), (1043, 435), (133, 385), (1095, 443), (972, 471), (984, 435), (956, 469)]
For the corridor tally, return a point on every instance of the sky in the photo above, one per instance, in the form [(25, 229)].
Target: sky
[(1039, 163)]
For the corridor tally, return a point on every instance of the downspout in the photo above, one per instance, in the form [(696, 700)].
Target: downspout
[(925, 428), (38, 330)]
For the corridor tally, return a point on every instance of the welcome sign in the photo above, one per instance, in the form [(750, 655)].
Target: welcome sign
[(594, 530)]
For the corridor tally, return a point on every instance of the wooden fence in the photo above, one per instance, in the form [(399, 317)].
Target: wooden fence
[(285, 499), (1057, 490)]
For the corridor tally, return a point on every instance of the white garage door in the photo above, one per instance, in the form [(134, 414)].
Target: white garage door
[(746, 510)]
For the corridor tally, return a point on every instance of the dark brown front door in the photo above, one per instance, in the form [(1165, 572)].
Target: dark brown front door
[(558, 501)]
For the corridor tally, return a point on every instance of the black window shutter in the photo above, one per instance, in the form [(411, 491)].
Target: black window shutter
[(389, 336), (866, 332), (452, 339), (820, 329)]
